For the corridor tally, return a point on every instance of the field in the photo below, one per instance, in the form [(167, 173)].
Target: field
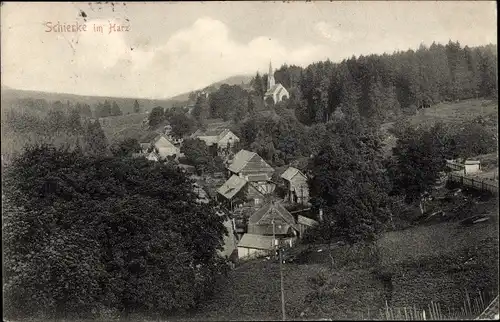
[(435, 262), (125, 126), (450, 113)]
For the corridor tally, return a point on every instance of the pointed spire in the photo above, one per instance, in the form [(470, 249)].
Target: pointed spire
[(270, 76)]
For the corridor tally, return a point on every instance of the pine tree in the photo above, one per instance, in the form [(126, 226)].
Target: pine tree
[(95, 139), (74, 121), (115, 109), (137, 108)]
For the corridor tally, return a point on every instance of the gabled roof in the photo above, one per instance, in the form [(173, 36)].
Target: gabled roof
[(250, 161), (240, 160), (153, 154), (232, 186), (256, 242), (290, 173), (152, 138), (224, 133), (166, 141), (215, 134), (270, 211)]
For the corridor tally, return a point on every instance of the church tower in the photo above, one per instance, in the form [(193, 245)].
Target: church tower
[(270, 77)]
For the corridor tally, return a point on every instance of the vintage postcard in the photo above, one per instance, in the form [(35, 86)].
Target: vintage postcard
[(223, 161)]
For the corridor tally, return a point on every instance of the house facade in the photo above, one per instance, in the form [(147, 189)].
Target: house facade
[(270, 226), (252, 168), (237, 192), (472, 166), (160, 144), (254, 246), (297, 189), (220, 140), (272, 219)]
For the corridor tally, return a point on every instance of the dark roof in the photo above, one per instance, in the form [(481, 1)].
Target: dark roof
[(240, 160), (249, 161), (269, 211), (290, 173)]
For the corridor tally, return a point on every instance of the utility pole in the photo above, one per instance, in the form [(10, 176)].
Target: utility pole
[(280, 258), (282, 287)]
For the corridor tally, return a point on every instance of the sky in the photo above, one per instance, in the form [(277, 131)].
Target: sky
[(165, 49)]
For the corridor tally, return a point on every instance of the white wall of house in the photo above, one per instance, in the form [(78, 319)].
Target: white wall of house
[(165, 148), (230, 138), (472, 168), (152, 157), (248, 253), (298, 184)]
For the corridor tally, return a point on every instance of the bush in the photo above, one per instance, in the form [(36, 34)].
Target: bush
[(90, 236)]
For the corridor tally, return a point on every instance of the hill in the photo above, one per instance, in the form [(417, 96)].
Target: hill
[(15, 96), (233, 80), (12, 96), (449, 113), (437, 262)]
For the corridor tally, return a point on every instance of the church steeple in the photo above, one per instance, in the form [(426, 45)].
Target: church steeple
[(270, 77)]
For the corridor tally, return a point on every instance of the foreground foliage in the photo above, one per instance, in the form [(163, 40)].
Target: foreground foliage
[(348, 183), (84, 235)]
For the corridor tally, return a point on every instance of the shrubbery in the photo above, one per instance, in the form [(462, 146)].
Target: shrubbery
[(87, 236)]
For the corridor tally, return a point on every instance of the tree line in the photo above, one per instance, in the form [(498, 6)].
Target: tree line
[(378, 87)]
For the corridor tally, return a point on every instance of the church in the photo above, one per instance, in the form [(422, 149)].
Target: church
[(276, 92)]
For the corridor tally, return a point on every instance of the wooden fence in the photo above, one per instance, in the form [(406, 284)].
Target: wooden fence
[(473, 307), (484, 185)]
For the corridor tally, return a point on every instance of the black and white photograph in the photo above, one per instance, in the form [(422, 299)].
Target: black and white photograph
[(249, 161)]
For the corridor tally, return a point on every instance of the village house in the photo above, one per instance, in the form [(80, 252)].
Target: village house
[(465, 167), (297, 190), (160, 144), (253, 246), (219, 141), (236, 192), (272, 219), (272, 224), (472, 166), (167, 130), (275, 92), (251, 167)]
